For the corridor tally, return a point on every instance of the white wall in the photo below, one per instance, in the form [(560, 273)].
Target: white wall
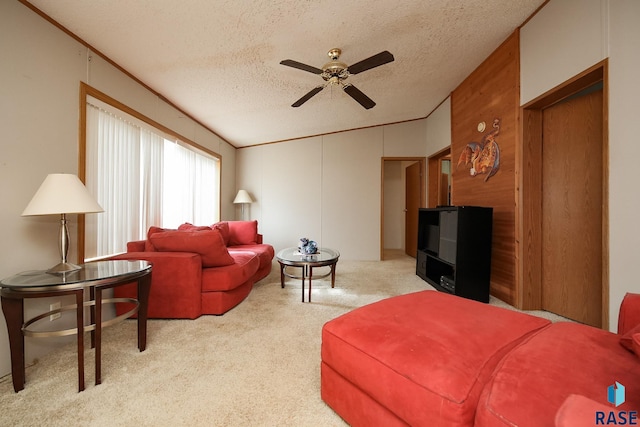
[(404, 139), (563, 39), (624, 151), (40, 77), (339, 203), (438, 128), (327, 188), (351, 181), (291, 186)]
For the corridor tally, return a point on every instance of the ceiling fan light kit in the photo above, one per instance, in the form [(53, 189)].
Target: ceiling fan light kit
[(335, 72)]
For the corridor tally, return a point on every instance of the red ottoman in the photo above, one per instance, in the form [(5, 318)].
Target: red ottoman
[(417, 359)]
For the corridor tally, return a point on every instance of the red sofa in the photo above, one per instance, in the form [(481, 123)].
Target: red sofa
[(199, 269), (433, 359)]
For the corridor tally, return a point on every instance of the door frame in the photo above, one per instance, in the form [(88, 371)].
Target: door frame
[(423, 163), (529, 199), (435, 176)]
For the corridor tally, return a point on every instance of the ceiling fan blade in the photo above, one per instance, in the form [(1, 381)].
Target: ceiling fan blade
[(360, 97), (301, 66), (307, 97), (371, 62)]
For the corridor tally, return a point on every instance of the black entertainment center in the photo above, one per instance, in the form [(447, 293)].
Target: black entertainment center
[(454, 250)]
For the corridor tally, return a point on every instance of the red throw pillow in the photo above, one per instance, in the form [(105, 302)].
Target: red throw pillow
[(627, 340), (187, 226), (243, 232), (209, 244), (148, 246), (223, 228)]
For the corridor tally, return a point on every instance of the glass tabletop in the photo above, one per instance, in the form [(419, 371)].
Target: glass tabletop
[(293, 255), (89, 274)]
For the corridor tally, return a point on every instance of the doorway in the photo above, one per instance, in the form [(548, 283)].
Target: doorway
[(564, 201), (440, 179), (403, 192)]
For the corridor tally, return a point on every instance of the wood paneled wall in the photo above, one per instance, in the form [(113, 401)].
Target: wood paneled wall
[(491, 92)]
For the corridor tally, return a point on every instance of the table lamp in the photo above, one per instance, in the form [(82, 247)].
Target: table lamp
[(62, 194), (243, 198)]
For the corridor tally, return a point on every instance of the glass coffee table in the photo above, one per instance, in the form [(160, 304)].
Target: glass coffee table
[(291, 257)]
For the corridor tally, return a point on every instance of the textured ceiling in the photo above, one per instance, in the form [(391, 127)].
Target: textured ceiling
[(219, 60)]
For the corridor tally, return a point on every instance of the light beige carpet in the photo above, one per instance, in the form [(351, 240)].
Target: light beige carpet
[(257, 365)]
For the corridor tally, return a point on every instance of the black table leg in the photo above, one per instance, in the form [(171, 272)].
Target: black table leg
[(13, 309), (97, 332), (281, 275), (333, 274), (304, 271), (80, 324), (310, 276), (144, 289)]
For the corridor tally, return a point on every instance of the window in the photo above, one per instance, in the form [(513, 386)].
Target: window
[(142, 176)]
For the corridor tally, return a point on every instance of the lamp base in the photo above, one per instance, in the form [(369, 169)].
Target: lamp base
[(63, 267)]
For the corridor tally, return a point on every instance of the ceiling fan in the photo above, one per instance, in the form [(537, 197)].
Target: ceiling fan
[(336, 72)]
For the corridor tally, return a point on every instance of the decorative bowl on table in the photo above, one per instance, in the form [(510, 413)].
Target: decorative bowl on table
[(307, 247)]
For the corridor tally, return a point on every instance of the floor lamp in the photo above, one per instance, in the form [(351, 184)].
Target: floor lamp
[(243, 198)]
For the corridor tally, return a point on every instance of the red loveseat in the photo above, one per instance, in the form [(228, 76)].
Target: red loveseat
[(199, 269), (433, 359)]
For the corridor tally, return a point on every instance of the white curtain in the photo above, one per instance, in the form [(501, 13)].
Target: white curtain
[(91, 173), (142, 179), (113, 177), (206, 202), (152, 154), (188, 180)]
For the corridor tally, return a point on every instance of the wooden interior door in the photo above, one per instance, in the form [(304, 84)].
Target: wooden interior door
[(572, 215), (412, 203)]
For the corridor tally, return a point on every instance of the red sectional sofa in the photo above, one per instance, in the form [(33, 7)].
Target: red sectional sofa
[(433, 359), (199, 269)]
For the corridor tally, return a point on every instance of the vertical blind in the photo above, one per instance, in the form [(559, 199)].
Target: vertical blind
[(141, 178)]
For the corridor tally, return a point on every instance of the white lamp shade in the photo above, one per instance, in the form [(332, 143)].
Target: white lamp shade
[(62, 194), (243, 197)]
